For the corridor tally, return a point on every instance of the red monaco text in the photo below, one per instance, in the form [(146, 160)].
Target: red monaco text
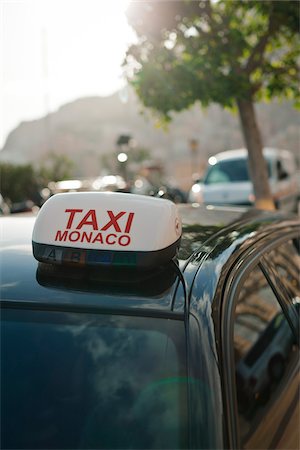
[(76, 221)]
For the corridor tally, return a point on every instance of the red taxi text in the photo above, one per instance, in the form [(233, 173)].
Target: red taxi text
[(116, 231)]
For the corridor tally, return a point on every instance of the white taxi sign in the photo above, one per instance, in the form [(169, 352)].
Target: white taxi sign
[(90, 222)]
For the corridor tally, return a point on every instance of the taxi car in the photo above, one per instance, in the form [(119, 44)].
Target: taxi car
[(130, 323)]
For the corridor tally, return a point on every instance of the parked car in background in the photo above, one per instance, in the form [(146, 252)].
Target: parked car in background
[(105, 183), (142, 186), (76, 185), (227, 179)]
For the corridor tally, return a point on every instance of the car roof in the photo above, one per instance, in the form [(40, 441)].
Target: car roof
[(242, 153), (23, 279)]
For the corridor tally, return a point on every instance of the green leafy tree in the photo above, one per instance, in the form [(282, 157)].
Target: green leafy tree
[(231, 52), (18, 182), (55, 167)]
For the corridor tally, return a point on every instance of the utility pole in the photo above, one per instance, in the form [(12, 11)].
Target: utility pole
[(194, 152), (48, 139)]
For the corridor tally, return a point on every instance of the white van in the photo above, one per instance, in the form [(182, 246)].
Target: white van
[(226, 180)]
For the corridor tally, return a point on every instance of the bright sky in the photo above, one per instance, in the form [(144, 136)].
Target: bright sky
[(55, 51)]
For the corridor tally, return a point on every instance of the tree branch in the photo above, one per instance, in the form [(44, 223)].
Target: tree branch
[(257, 54), (207, 9)]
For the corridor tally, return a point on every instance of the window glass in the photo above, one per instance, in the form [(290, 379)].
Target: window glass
[(282, 174), (82, 381), (286, 262), (229, 171), (265, 355)]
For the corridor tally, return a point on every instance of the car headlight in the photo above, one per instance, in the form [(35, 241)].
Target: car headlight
[(196, 194), (196, 188)]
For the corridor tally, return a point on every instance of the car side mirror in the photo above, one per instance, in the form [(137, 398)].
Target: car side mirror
[(283, 175)]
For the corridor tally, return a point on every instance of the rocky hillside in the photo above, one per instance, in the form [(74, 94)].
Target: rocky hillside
[(89, 127)]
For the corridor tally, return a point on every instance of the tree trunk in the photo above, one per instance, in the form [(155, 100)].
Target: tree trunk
[(256, 162)]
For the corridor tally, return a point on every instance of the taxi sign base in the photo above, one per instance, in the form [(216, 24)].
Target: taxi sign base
[(71, 256)]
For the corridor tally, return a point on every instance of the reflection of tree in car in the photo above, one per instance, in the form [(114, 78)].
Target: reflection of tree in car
[(262, 343), (287, 261), (263, 364)]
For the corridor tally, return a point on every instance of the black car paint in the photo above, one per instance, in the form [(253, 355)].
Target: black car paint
[(206, 271)]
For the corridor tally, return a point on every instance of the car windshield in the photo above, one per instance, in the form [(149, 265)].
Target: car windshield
[(73, 380), (229, 171)]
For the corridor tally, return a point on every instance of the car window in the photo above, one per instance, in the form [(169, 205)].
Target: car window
[(282, 173), (285, 260), (265, 358), (74, 380), (281, 266), (229, 171), (218, 174)]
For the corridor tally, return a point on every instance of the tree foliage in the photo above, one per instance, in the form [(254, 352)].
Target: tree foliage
[(24, 182), (55, 167), (18, 182), (231, 52), (213, 52)]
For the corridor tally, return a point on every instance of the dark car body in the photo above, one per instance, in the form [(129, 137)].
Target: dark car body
[(152, 359)]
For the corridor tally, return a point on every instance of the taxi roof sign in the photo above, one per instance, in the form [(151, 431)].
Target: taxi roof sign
[(94, 228)]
